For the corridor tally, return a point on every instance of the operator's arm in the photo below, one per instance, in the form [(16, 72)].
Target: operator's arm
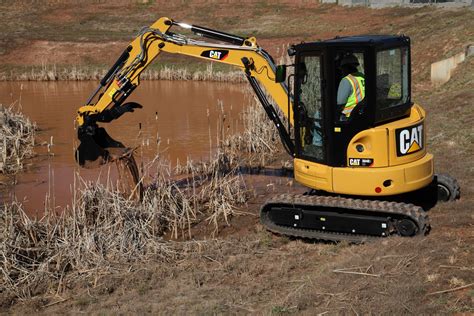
[(343, 92)]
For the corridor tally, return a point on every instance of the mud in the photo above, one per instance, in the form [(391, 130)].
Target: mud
[(179, 120)]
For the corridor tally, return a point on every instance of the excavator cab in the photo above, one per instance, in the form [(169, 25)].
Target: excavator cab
[(376, 149), (323, 132)]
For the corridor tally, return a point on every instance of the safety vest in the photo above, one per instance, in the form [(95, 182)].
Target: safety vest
[(357, 82)]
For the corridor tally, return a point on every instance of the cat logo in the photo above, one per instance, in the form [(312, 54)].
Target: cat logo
[(215, 54), (361, 162), (409, 140)]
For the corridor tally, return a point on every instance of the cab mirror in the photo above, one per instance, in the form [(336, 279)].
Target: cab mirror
[(280, 75)]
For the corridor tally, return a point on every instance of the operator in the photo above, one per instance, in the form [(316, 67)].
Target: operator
[(351, 89)]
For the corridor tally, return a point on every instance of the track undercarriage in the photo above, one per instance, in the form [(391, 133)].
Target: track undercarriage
[(319, 215), (341, 219)]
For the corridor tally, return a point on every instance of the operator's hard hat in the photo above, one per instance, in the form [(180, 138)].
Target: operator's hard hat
[(349, 60)]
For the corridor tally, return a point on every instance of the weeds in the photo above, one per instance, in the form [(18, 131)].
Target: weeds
[(258, 142), (17, 139), (102, 228), (76, 73)]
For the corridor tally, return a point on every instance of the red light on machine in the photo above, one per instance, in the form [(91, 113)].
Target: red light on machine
[(378, 189)]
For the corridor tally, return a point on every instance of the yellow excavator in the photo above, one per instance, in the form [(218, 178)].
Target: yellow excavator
[(363, 170)]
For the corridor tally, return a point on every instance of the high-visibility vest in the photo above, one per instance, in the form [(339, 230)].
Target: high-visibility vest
[(357, 82)]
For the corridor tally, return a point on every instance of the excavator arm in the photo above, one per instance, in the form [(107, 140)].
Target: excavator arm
[(107, 102)]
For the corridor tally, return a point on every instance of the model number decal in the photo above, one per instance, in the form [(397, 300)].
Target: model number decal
[(409, 139), (361, 162), (215, 54)]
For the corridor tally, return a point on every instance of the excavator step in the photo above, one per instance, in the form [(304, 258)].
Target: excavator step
[(341, 219)]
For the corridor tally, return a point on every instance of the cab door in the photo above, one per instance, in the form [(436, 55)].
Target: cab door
[(310, 166), (309, 112)]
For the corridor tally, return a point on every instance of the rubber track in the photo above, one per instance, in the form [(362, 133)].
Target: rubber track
[(411, 211), (452, 185)]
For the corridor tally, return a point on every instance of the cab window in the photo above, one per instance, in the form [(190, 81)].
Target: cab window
[(310, 103), (348, 63), (392, 78)]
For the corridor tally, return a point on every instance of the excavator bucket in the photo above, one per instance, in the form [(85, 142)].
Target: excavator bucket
[(92, 151), (97, 148)]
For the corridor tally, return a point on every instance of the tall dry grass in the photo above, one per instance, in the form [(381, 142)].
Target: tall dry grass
[(77, 73), (172, 73), (217, 187), (17, 140), (259, 141), (104, 228), (254, 147)]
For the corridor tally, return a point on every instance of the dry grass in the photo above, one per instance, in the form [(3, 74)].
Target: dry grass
[(172, 73), (210, 191), (104, 228), (17, 139), (252, 148), (216, 187), (80, 73), (259, 140)]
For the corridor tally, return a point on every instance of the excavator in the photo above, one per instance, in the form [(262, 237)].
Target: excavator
[(362, 171)]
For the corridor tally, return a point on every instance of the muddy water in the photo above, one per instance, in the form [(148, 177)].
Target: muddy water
[(178, 120)]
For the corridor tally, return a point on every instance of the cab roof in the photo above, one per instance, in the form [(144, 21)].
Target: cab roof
[(374, 39), (377, 41)]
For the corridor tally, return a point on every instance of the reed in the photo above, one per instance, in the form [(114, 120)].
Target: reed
[(17, 140), (77, 73), (222, 195), (259, 140), (217, 186), (209, 74), (103, 228)]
